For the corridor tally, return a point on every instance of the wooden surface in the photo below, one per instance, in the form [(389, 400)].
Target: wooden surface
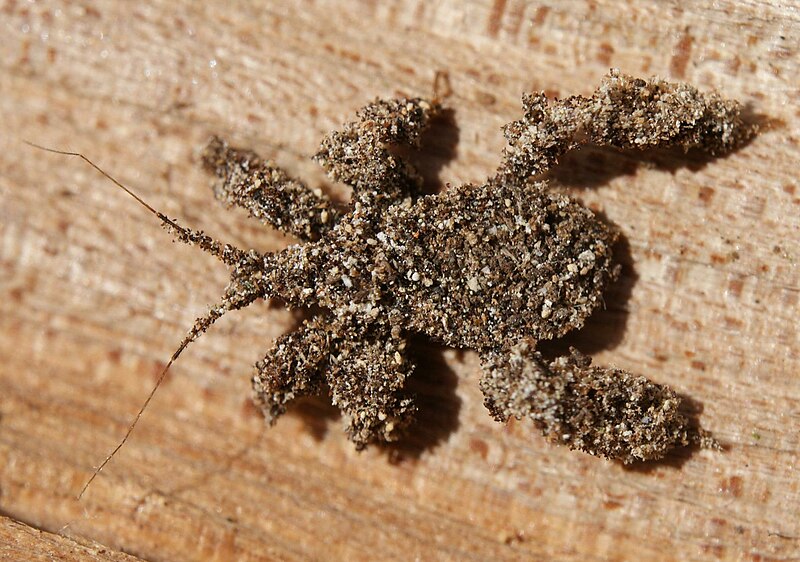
[(21, 542), (95, 297)]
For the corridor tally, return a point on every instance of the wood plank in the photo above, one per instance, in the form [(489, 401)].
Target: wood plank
[(95, 297), (21, 542)]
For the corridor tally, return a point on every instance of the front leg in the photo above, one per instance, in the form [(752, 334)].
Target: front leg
[(360, 155), (294, 367), (605, 412), (365, 368), (267, 192)]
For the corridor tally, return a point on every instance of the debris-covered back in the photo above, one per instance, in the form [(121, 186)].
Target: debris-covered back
[(493, 267)]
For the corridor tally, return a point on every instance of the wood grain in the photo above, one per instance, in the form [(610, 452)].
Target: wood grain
[(95, 297), (21, 542)]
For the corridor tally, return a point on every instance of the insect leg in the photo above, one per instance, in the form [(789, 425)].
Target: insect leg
[(367, 377), (605, 412), (627, 112), (267, 192), (624, 112), (293, 368), (360, 156)]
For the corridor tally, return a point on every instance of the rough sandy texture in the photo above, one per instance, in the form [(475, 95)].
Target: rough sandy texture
[(480, 267)]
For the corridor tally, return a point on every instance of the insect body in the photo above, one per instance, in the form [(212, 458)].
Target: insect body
[(493, 267)]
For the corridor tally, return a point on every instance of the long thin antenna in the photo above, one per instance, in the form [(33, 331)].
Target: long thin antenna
[(161, 377), (200, 326), (228, 254), (225, 252), (141, 201)]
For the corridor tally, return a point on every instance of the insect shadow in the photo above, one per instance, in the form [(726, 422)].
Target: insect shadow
[(605, 328), (440, 142)]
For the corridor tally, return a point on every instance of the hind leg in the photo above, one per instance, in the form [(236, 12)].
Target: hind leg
[(605, 412), (624, 112)]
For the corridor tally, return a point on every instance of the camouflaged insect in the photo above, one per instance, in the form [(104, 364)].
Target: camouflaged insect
[(492, 267)]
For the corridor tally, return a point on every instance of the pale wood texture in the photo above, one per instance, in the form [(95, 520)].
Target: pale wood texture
[(95, 297), (21, 542)]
